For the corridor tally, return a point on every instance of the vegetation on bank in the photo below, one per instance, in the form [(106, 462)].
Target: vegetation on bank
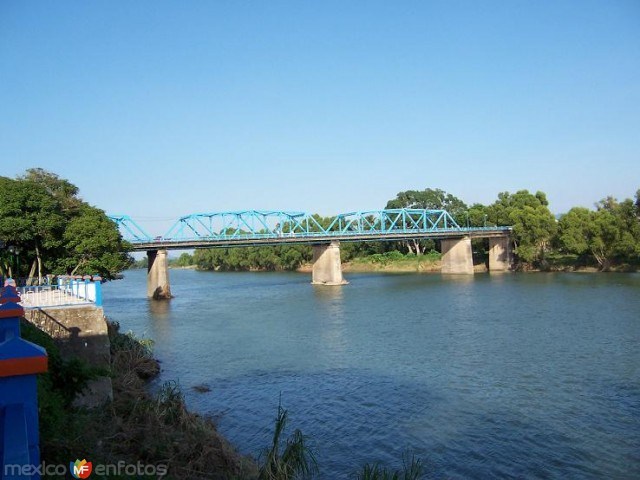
[(46, 228), (394, 261), (185, 260), (412, 469), (155, 429), (605, 238)]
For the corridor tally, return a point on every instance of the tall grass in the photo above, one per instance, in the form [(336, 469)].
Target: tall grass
[(288, 459), (412, 469)]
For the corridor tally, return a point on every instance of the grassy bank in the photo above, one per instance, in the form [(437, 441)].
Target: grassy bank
[(155, 429), (392, 262), (395, 261)]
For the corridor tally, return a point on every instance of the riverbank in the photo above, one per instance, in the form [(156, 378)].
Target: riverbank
[(155, 429), (394, 262), (364, 265), (397, 262)]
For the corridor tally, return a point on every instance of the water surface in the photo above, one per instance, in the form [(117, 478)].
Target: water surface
[(514, 375)]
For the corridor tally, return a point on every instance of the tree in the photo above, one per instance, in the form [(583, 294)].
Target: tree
[(94, 245), (574, 229), (429, 198), (534, 226), (615, 232), (30, 218), (55, 230), (432, 199), (184, 260), (281, 257), (478, 215), (59, 188), (610, 234)]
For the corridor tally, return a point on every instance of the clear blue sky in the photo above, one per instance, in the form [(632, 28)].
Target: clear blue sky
[(159, 109)]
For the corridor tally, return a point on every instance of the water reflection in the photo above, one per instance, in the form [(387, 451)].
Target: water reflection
[(459, 279), (325, 293), (330, 301), (160, 321), (159, 308)]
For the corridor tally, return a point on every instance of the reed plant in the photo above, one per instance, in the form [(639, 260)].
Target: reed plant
[(288, 459), (412, 469)]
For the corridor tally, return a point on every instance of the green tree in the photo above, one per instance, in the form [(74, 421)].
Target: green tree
[(55, 231), (60, 189), (30, 219), (611, 234), (478, 215), (615, 233), (574, 231), (93, 245), (281, 257), (429, 198), (433, 199), (184, 260), (534, 226), (351, 250)]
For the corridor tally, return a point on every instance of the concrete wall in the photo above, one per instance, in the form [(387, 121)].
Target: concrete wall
[(158, 286), (80, 332), (500, 254), (327, 268), (457, 257)]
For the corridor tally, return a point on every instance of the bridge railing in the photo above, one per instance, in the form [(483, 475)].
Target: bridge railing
[(67, 292)]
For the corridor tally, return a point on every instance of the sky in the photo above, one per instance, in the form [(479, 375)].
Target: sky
[(159, 109)]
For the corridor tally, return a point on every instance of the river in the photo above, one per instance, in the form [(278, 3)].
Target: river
[(513, 375)]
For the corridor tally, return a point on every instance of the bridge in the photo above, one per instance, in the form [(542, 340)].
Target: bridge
[(265, 227)]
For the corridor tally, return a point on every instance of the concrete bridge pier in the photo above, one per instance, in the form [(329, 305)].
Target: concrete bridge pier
[(457, 256), (327, 269), (158, 286), (500, 255)]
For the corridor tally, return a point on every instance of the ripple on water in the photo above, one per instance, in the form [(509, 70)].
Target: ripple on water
[(521, 376)]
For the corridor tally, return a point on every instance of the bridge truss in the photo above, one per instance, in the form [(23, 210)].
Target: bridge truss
[(130, 230), (272, 227)]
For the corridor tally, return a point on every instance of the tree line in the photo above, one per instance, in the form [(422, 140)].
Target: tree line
[(46, 228), (607, 236)]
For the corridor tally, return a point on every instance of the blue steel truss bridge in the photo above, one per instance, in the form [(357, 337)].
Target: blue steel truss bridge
[(248, 228), (264, 227)]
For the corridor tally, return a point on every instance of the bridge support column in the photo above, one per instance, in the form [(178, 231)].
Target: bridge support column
[(327, 269), (456, 256), (158, 286), (500, 257)]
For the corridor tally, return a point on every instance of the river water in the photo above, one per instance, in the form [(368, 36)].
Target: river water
[(516, 375)]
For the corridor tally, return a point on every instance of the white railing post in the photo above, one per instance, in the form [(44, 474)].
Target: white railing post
[(66, 292)]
